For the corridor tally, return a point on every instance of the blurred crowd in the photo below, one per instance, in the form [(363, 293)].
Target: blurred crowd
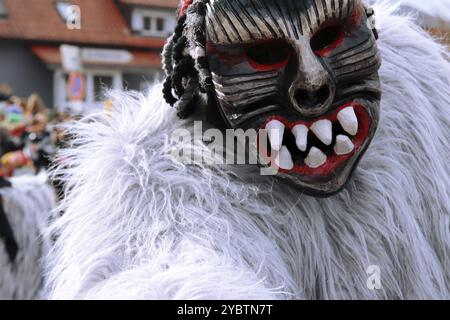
[(29, 135)]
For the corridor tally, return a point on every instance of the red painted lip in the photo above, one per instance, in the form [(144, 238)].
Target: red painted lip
[(334, 161)]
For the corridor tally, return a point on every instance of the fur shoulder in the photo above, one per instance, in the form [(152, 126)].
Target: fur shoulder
[(139, 224)]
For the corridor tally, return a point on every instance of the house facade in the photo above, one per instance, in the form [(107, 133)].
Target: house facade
[(119, 43)]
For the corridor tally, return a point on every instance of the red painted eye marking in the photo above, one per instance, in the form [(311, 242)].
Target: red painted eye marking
[(327, 39), (332, 34), (225, 57), (269, 55)]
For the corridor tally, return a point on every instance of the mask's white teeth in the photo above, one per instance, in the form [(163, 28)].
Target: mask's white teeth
[(275, 129), (348, 120), (284, 159), (300, 133), (343, 145), (323, 129), (315, 158)]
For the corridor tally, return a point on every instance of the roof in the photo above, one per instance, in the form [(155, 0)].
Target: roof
[(101, 23), (141, 59), (154, 3)]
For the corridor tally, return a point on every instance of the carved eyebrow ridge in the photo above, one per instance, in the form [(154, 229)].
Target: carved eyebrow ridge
[(250, 20)]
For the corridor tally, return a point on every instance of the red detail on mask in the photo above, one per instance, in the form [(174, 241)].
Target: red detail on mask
[(230, 59), (274, 45), (225, 57), (184, 5), (336, 43), (356, 16), (269, 67)]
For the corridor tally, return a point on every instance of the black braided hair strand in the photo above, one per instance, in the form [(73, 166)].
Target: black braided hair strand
[(184, 61)]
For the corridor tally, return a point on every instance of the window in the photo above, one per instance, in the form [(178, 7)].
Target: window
[(3, 11), (153, 25), (147, 23), (152, 22), (160, 22), (101, 84)]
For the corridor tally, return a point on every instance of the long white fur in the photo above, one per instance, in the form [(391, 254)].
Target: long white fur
[(28, 204), (139, 224)]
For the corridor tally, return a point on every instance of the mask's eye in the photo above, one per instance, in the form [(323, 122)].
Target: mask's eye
[(269, 55), (327, 39)]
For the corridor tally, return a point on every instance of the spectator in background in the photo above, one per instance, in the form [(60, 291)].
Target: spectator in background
[(27, 140), (35, 114)]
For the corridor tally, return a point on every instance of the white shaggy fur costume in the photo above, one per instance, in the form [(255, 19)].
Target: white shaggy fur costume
[(27, 205), (138, 224)]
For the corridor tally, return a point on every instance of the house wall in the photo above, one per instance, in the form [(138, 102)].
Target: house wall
[(24, 72)]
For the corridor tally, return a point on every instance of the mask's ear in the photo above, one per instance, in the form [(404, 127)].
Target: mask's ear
[(371, 21)]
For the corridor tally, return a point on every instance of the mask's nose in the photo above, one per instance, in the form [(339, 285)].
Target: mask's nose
[(310, 99), (312, 91)]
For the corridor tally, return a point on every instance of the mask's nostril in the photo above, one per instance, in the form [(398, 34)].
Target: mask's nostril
[(312, 99)]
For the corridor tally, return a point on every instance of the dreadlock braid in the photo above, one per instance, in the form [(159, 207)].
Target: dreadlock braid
[(197, 39), (168, 61), (184, 60)]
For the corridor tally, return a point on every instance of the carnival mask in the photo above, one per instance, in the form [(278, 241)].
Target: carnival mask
[(305, 70)]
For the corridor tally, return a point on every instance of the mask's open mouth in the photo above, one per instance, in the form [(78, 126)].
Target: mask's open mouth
[(319, 146)]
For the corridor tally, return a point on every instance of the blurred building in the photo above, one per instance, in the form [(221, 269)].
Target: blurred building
[(120, 43)]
